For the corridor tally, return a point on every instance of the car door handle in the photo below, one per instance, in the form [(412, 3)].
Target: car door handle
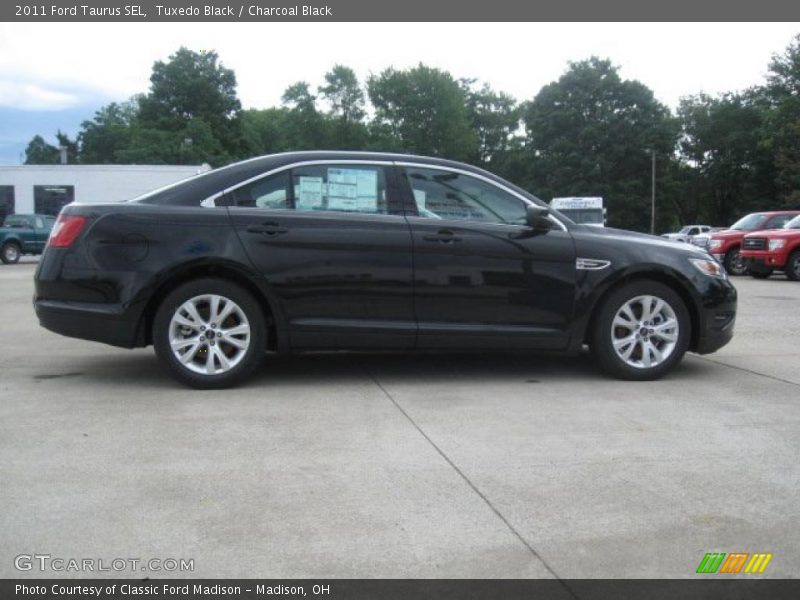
[(268, 228), (443, 236)]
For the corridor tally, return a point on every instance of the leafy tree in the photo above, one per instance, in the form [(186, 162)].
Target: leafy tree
[(39, 152), (108, 133), (421, 110), (782, 131), (306, 128), (346, 98), (590, 133), (720, 143), (495, 119), (193, 94), (266, 130)]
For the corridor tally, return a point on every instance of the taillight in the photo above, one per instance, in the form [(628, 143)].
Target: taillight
[(65, 230)]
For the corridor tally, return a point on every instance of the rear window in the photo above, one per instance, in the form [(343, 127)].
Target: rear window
[(16, 221)]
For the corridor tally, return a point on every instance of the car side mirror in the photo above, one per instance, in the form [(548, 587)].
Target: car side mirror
[(536, 217)]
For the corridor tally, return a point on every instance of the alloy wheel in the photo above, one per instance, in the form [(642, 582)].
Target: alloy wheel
[(209, 334), (644, 332)]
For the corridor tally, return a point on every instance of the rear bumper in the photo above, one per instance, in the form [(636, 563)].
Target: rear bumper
[(98, 323)]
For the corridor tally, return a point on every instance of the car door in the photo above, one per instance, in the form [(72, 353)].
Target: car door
[(333, 245), (40, 233), (482, 276)]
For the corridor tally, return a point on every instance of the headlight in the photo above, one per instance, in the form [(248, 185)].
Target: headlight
[(714, 244), (708, 267), (776, 245)]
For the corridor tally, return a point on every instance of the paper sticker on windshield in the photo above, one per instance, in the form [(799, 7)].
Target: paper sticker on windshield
[(353, 189)]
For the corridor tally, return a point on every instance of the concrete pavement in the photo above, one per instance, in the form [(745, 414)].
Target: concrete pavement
[(402, 466)]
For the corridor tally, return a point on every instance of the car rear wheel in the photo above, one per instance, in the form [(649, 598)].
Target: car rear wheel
[(734, 263), (10, 253), (793, 266), (640, 331), (210, 333)]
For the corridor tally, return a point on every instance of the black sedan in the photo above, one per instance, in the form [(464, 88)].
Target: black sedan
[(313, 251)]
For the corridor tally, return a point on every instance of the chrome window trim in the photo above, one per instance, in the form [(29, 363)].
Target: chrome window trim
[(482, 178)]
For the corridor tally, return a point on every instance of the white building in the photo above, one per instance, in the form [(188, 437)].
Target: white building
[(44, 189)]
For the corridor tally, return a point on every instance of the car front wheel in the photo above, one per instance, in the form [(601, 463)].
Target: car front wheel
[(734, 263), (793, 266), (641, 331), (210, 333)]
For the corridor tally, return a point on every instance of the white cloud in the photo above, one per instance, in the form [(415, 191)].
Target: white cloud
[(113, 60), (30, 96)]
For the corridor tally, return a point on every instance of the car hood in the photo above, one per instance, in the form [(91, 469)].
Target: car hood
[(775, 233), (726, 234), (632, 237)]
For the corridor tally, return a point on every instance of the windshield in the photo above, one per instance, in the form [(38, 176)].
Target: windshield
[(584, 215), (749, 223), (793, 224), (686, 229)]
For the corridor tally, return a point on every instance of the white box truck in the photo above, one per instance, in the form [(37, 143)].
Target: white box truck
[(588, 211)]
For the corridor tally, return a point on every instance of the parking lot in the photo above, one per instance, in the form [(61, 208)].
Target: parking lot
[(403, 466)]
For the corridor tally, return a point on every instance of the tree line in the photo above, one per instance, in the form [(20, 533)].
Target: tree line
[(590, 133)]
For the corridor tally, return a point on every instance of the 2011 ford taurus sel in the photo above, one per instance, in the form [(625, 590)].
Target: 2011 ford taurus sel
[(317, 251)]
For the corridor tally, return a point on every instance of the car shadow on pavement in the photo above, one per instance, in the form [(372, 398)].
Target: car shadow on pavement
[(141, 370)]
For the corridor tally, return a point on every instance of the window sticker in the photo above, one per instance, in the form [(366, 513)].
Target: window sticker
[(353, 189), (420, 196), (308, 193)]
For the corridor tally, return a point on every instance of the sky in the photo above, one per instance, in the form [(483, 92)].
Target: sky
[(54, 75)]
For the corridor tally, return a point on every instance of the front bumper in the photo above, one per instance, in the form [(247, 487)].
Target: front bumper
[(764, 260), (717, 317)]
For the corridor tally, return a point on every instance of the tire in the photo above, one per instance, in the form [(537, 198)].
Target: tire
[(645, 348), (10, 253), (761, 274), (734, 264), (793, 266), (184, 319)]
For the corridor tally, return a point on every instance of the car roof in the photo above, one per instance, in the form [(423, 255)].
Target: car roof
[(211, 182)]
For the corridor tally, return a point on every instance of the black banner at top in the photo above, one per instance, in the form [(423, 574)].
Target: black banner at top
[(397, 10)]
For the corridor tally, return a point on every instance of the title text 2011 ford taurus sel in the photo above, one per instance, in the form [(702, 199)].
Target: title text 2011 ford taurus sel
[(356, 251)]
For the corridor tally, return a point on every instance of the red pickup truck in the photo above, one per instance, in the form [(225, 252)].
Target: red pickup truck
[(779, 249), (725, 245)]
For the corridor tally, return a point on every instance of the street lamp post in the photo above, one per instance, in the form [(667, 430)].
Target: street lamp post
[(653, 195)]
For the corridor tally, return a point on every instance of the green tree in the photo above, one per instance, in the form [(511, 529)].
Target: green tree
[(343, 93), (39, 152), (421, 110), (720, 144), (590, 134), (782, 131), (266, 131), (110, 131), (305, 125), (192, 99), (495, 119)]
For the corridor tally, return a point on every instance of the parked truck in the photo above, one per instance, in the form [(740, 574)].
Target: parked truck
[(587, 211), (24, 234)]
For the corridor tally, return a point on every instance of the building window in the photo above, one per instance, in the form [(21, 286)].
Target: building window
[(6, 201), (50, 199)]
